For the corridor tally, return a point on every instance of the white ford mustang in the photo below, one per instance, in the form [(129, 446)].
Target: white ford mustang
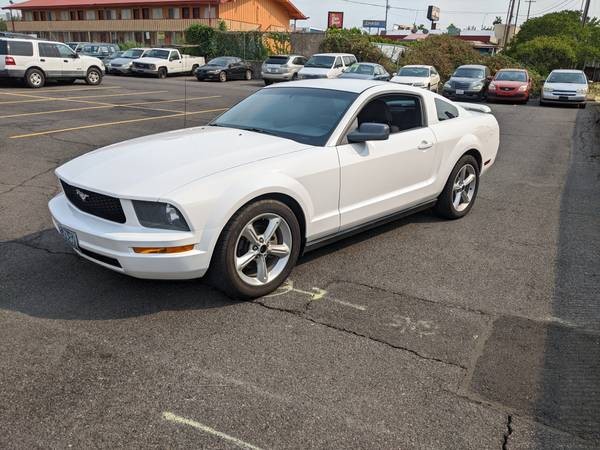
[(288, 169)]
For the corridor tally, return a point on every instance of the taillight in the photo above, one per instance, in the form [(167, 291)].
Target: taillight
[(9, 61)]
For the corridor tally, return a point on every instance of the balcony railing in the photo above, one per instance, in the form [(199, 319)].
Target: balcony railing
[(128, 25)]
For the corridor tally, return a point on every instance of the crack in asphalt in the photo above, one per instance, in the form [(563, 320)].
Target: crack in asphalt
[(33, 246), (354, 333), (22, 183), (508, 432)]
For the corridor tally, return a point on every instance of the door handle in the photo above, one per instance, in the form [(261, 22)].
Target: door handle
[(65, 60), (424, 145), (42, 60)]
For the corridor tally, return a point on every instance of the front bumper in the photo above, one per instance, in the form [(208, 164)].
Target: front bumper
[(119, 70), (116, 241), (208, 75), (507, 95), (548, 97), (470, 95), (144, 71)]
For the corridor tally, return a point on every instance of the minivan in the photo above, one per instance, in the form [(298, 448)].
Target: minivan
[(326, 65)]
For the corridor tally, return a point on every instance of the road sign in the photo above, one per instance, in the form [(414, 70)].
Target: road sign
[(335, 19), (433, 13), (373, 23)]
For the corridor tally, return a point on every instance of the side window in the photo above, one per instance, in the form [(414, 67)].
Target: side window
[(347, 61), (20, 48), (3, 47), (445, 110), (338, 63), (399, 112), (65, 51), (433, 71), (298, 61), (49, 50), (175, 56)]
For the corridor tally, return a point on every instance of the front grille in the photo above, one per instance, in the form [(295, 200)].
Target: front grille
[(116, 65), (99, 205), (463, 86), (507, 89), (141, 65), (564, 93), (101, 258)]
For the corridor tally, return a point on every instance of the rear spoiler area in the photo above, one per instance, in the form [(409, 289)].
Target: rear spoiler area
[(475, 107)]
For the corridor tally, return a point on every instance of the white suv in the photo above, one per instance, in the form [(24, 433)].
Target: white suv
[(326, 65), (36, 61)]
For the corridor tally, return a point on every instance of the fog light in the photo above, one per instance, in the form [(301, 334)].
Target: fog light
[(163, 250)]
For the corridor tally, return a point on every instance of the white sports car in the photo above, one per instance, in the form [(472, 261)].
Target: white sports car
[(290, 168)]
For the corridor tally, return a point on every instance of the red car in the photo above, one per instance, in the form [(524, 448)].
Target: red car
[(510, 84)]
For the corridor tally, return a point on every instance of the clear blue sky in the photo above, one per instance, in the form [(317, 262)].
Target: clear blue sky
[(460, 12)]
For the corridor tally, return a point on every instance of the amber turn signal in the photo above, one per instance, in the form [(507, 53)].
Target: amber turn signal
[(163, 250)]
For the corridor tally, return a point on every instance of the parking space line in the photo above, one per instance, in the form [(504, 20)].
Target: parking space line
[(61, 90), (197, 425), (107, 106), (66, 99), (108, 124)]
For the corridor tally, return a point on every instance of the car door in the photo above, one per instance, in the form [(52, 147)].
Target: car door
[(50, 59), (175, 62), (238, 68), (379, 178), (72, 65), (338, 67)]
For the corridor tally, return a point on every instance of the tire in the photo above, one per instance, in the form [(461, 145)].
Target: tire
[(93, 77), (248, 75), (268, 82), (452, 202), (223, 77), (295, 76), (194, 67), (162, 73), (542, 103), (250, 281), (582, 105), (35, 78)]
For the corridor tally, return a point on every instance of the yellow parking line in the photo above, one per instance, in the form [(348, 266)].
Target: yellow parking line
[(107, 106), (66, 99), (109, 124), (61, 90)]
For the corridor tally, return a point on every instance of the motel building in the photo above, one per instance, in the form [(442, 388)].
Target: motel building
[(150, 22)]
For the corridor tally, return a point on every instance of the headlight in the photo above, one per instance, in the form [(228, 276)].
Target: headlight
[(492, 87), (522, 88), (448, 85), (159, 215), (477, 86), (547, 88), (152, 67), (582, 91)]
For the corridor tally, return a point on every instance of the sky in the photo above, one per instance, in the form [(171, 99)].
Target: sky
[(461, 13)]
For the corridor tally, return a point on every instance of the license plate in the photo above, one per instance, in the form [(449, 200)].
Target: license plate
[(272, 70), (460, 91), (563, 98), (70, 237)]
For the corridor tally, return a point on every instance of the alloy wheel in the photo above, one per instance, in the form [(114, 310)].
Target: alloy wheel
[(464, 187), (263, 249), (35, 79)]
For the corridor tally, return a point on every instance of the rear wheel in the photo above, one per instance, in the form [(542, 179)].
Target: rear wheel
[(35, 78), (268, 82), (93, 76), (223, 77), (460, 192), (194, 67), (582, 105), (162, 73), (256, 250)]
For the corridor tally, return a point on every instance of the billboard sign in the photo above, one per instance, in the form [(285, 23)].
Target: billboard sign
[(373, 23), (335, 19), (433, 13)]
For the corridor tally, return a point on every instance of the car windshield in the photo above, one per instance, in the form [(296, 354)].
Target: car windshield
[(157, 53), (304, 115), (468, 72), (421, 72), (363, 69), (90, 49), (220, 61), (567, 77), (321, 62), (132, 54), (511, 75)]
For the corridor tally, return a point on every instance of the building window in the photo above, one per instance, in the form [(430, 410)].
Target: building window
[(196, 13), (64, 15), (36, 16), (185, 13), (80, 15), (173, 13), (145, 13), (90, 15), (211, 12), (43, 16), (28, 16), (126, 14), (100, 14), (157, 13), (110, 14)]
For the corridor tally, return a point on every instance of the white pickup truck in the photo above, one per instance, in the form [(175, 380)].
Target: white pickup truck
[(162, 62)]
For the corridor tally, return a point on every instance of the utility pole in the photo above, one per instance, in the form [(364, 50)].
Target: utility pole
[(387, 8), (517, 16), (529, 8), (586, 10), (507, 28), (12, 19)]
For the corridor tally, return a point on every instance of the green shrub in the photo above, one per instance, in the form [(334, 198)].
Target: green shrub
[(203, 37), (130, 44), (546, 53)]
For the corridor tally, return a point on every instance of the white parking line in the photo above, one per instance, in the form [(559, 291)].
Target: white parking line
[(192, 423), (348, 304)]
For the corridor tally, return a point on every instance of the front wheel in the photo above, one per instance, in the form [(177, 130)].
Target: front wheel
[(194, 67), (268, 82), (460, 192), (256, 250), (162, 73), (248, 75), (93, 77), (223, 77)]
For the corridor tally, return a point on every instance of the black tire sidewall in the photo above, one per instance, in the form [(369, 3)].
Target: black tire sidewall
[(87, 76), (162, 73), (31, 85), (223, 273), (445, 206)]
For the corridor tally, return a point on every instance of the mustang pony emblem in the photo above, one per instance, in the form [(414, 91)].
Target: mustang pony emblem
[(82, 195)]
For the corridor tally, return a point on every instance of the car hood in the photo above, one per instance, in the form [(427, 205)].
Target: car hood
[(122, 61), (152, 166), (360, 76), (314, 71), (410, 80), (90, 58), (466, 80), (510, 84), (565, 86), (147, 60)]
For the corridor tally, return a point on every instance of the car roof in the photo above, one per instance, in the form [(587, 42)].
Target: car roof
[(417, 65), (472, 66), (334, 54), (354, 85), (568, 71), (507, 69)]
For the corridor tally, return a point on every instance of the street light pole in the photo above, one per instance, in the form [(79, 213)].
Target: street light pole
[(387, 8), (529, 8), (12, 19)]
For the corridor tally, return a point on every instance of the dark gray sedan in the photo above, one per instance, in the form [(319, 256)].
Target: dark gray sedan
[(366, 71)]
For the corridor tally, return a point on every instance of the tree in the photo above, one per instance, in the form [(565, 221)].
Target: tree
[(3, 26), (204, 37), (545, 53), (497, 20), (453, 30)]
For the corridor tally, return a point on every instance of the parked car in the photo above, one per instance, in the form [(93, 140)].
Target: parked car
[(510, 84), (282, 68), (162, 62), (326, 65), (122, 64), (36, 61), (104, 52), (366, 71), (419, 76), (468, 82), (242, 198), (76, 46), (565, 86), (224, 68)]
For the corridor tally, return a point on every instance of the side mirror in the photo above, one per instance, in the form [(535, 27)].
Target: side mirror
[(75, 55), (369, 132)]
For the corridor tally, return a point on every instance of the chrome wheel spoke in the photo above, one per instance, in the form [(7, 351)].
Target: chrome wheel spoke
[(464, 197), (469, 180), (279, 250), (271, 229), (250, 234), (262, 273), (242, 261)]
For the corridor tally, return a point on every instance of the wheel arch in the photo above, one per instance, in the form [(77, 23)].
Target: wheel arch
[(38, 68), (475, 153)]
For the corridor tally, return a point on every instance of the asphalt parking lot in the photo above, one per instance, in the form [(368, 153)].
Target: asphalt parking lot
[(477, 333)]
